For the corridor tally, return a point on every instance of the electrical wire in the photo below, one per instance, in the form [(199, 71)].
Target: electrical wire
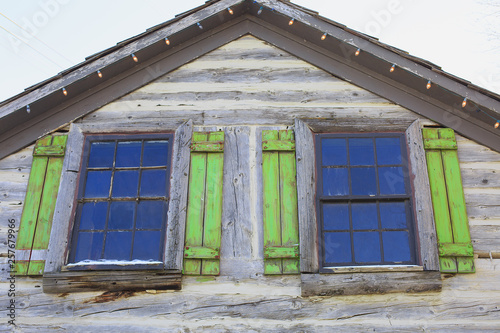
[(31, 47), (53, 50)]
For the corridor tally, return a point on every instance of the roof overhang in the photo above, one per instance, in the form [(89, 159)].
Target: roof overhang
[(210, 26)]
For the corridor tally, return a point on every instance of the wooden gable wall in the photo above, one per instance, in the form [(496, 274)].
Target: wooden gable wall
[(244, 87)]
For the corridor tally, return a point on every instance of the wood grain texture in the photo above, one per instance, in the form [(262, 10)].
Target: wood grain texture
[(127, 280), (237, 229), (426, 229), (177, 207), (306, 192), (369, 283), (63, 213)]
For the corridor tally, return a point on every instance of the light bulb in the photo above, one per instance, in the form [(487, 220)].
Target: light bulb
[(230, 10), (392, 68), (28, 109), (357, 52), (291, 22), (464, 102), (428, 86), (167, 41), (134, 57), (99, 74), (324, 36), (497, 124), (260, 10), (64, 91), (199, 25)]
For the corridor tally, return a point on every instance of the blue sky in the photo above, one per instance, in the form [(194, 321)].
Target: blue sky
[(461, 36)]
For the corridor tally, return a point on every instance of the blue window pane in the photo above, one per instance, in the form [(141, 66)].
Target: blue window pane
[(150, 214), (102, 154), (393, 215), (89, 246), (335, 181), (97, 184), (396, 246), (388, 151), (334, 152), (155, 153), (118, 245), (391, 180), (147, 245), (367, 247), (363, 181), (337, 247), (128, 154), (94, 216), (364, 216), (121, 215), (361, 151), (125, 183), (153, 183), (336, 217)]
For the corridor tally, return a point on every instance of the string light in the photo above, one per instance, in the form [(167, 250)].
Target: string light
[(291, 22), (324, 36), (99, 74), (167, 41), (64, 91), (260, 10), (199, 25), (134, 57), (464, 102), (230, 10), (392, 68), (428, 86), (28, 109), (357, 52), (497, 124)]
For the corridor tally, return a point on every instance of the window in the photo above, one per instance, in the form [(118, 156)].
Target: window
[(389, 197), (122, 200), (364, 200), (121, 205)]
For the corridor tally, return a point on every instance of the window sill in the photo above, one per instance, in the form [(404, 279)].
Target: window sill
[(76, 281), (364, 283), (372, 269), (113, 265)]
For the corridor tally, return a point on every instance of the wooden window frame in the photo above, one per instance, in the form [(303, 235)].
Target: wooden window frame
[(57, 278), (424, 276)]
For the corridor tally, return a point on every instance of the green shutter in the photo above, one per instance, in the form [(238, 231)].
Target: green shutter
[(452, 225), (204, 211), (39, 205), (281, 224)]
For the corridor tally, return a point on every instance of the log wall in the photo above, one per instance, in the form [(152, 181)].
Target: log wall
[(243, 88)]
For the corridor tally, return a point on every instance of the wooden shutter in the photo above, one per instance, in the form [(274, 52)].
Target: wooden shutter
[(204, 211), (38, 211), (452, 226), (281, 225)]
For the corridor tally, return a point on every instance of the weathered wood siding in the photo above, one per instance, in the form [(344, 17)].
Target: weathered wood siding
[(243, 88)]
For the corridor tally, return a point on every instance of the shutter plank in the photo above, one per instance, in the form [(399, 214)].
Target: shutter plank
[(288, 195), (213, 206), (31, 206), (271, 198), (439, 200), (47, 205), (196, 205), (456, 202)]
